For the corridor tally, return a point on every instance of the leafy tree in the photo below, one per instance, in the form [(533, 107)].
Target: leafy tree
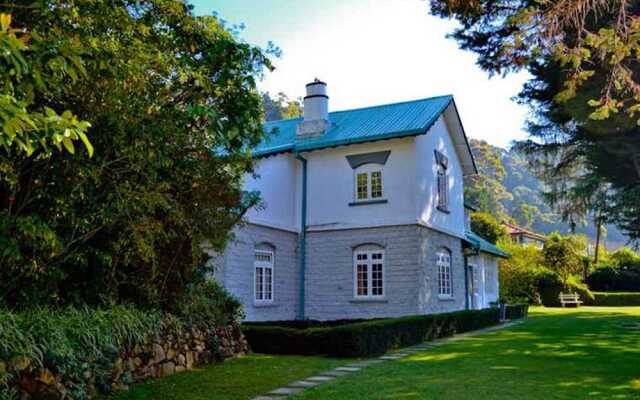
[(280, 107), (624, 257), (485, 190), (31, 68), (584, 91), (173, 108), (563, 255), (590, 40), (519, 274), (485, 225)]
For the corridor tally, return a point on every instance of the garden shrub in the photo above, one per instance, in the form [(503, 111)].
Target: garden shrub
[(362, 338), (550, 286), (520, 273), (615, 299), (516, 311), (610, 279), (206, 301)]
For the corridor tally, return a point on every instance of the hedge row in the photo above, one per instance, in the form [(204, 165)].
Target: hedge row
[(516, 311), (366, 338), (614, 299)]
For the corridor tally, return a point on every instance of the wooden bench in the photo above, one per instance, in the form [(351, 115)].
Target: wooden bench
[(570, 298)]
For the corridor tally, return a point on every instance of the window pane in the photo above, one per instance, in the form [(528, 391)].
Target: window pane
[(268, 283), (362, 288), (376, 279), (376, 184), (361, 186), (259, 280)]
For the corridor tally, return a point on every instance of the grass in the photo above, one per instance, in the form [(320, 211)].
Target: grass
[(590, 352), (240, 378)]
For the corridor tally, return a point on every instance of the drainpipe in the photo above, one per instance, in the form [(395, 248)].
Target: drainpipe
[(302, 239)]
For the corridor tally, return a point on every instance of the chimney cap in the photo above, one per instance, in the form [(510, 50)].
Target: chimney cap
[(316, 81)]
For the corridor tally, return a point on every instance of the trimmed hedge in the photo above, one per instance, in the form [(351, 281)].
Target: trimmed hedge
[(614, 280), (364, 338), (516, 311), (615, 299)]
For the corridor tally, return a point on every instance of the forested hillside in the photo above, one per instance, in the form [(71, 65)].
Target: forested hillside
[(506, 188)]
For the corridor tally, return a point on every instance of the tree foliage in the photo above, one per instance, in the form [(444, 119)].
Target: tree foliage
[(508, 35), (584, 93), (485, 190), (32, 67), (173, 108), (563, 255), (280, 107), (487, 226)]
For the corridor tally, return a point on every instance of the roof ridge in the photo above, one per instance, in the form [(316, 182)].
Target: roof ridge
[(368, 107)]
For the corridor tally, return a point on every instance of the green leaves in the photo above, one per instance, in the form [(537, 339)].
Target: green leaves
[(25, 127)]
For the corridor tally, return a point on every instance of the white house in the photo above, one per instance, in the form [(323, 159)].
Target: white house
[(362, 216)]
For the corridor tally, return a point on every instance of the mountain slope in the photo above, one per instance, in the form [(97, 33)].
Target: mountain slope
[(521, 199)]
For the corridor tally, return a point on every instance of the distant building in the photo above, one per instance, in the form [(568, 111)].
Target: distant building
[(524, 236)]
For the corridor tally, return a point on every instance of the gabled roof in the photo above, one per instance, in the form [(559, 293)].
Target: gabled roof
[(516, 230), (389, 121), (483, 245)]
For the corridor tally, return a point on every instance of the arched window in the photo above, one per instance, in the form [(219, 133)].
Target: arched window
[(368, 182), (443, 263), (368, 272), (263, 274)]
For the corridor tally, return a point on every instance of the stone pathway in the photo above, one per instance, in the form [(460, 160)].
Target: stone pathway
[(345, 370)]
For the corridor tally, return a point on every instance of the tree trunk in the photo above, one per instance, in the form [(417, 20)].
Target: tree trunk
[(598, 230)]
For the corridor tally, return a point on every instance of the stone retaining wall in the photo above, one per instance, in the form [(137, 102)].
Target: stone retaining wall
[(159, 357)]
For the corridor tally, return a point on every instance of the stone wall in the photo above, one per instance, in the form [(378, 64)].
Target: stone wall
[(161, 356), (235, 270)]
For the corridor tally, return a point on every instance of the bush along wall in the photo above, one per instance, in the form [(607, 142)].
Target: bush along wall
[(614, 299), (364, 338), (78, 354)]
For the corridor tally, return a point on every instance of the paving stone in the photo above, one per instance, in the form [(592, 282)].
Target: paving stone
[(304, 384), (390, 357), (348, 369), (286, 391), (319, 378), (335, 373)]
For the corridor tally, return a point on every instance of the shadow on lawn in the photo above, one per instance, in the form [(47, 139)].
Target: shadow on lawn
[(577, 354)]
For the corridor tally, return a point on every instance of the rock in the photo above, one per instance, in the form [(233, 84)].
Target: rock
[(180, 368), (168, 368), (117, 366), (181, 360), (87, 374), (171, 354), (190, 359), (158, 353), (137, 362)]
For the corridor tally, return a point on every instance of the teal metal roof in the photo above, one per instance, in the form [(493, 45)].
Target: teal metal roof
[(360, 125), (480, 243)]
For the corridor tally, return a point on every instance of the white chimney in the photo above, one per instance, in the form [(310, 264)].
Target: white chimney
[(316, 111)]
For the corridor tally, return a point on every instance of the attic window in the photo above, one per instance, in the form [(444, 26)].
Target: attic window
[(442, 181), (368, 183)]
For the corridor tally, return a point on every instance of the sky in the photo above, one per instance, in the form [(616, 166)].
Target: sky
[(374, 52)]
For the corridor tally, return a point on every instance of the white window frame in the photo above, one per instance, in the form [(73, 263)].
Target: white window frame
[(442, 183), (264, 265), (369, 263), (444, 274), (369, 170)]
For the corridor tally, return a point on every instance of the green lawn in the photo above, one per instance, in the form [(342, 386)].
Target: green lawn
[(240, 378), (556, 354)]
